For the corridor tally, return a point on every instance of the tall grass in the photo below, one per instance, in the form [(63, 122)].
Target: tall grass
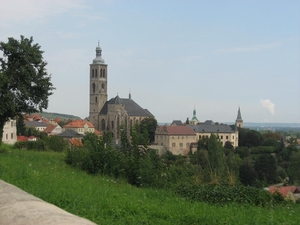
[(107, 201)]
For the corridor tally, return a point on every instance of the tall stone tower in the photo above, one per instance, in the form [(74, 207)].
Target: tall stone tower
[(98, 86), (239, 120)]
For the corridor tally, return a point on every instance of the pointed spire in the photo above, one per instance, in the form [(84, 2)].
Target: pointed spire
[(239, 116), (194, 112)]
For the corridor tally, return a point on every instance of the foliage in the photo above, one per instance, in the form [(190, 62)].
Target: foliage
[(294, 168), (224, 194), (266, 168), (105, 200), (249, 138), (150, 124), (20, 125), (39, 145), (24, 83), (262, 149), (56, 143)]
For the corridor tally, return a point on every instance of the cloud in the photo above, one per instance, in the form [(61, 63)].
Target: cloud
[(266, 103)]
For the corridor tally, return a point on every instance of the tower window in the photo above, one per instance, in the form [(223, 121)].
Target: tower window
[(112, 125), (94, 87), (93, 72), (96, 72), (96, 99), (103, 73)]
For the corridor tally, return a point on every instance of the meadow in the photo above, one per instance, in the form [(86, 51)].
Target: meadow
[(104, 200)]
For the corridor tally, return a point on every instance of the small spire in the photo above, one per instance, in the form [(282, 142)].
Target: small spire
[(129, 94), (98, 43)]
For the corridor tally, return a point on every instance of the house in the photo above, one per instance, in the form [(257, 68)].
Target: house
[(22, 138), (176, 139), (53, 129), (288, 192), (40, 126), (109, 115), (81, 127), (9, 132)]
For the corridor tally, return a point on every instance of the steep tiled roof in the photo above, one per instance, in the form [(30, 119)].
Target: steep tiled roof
[(284, 190), (49, 128), (178, 130), (210, 127), (79, 124), (132, 108)]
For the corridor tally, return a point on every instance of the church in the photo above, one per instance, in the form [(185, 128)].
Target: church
[(108, 115)]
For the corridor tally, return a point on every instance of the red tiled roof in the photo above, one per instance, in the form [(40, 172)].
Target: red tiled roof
[(76, 142), (97, 132), (178, 130), (22, 138), (49, 128), (79, 124), (284, 190)]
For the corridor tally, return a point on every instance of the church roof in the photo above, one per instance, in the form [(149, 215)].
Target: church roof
[(132, 108), (210, 127), (98, 59)]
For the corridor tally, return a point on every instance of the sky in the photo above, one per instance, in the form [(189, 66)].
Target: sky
[(172, 56)]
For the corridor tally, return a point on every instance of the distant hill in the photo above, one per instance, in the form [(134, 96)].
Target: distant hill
[(50, 116)]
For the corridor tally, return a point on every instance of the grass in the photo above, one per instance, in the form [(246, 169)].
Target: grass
[(107, 201)]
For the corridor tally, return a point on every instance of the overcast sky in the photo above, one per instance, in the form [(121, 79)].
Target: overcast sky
[(171, 55)]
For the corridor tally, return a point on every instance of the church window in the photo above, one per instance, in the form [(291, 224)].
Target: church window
[(94, 87), (92, 72), (96, 72), (112, 125), (103, 124), (96, 99), (103, 73)]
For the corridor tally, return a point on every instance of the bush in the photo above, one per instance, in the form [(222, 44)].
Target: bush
[(38, 145), (224, 194)]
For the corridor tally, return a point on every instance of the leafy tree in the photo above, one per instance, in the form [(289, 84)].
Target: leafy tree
[(150, 125), (228, 145), (294, 168), (247, 174), (266, 168), (24, 82), (249, 138), (56, 143), (21, 129)]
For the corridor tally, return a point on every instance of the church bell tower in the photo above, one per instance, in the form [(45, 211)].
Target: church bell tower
[(98, 86)]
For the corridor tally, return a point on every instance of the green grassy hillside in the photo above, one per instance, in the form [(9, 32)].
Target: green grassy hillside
[(50, 115), (107, 201)]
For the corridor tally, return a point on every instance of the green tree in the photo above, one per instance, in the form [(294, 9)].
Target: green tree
[(249, 138), (266, 168), (294, 168), (150, 125), (21, 129), (24, 82)]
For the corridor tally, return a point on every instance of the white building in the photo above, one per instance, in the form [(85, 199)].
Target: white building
[(9, 132)]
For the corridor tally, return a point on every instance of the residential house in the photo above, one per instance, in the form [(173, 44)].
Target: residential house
[(70, 134), (9, 132), (53, 129), (40, 126), (81, 127), (176, 139), (288, 192)]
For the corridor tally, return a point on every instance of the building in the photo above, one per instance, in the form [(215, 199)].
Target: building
[(81, 127), (9, 132), (109, 115), (239, 120), (52, 129), (40, 126), (223, 131), (176, 139)]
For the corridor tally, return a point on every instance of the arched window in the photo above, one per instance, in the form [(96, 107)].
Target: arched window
[(94, 87), (96, 99), (112, 125), (103, 125), (103, 73), (92, 72), (96, 72)]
